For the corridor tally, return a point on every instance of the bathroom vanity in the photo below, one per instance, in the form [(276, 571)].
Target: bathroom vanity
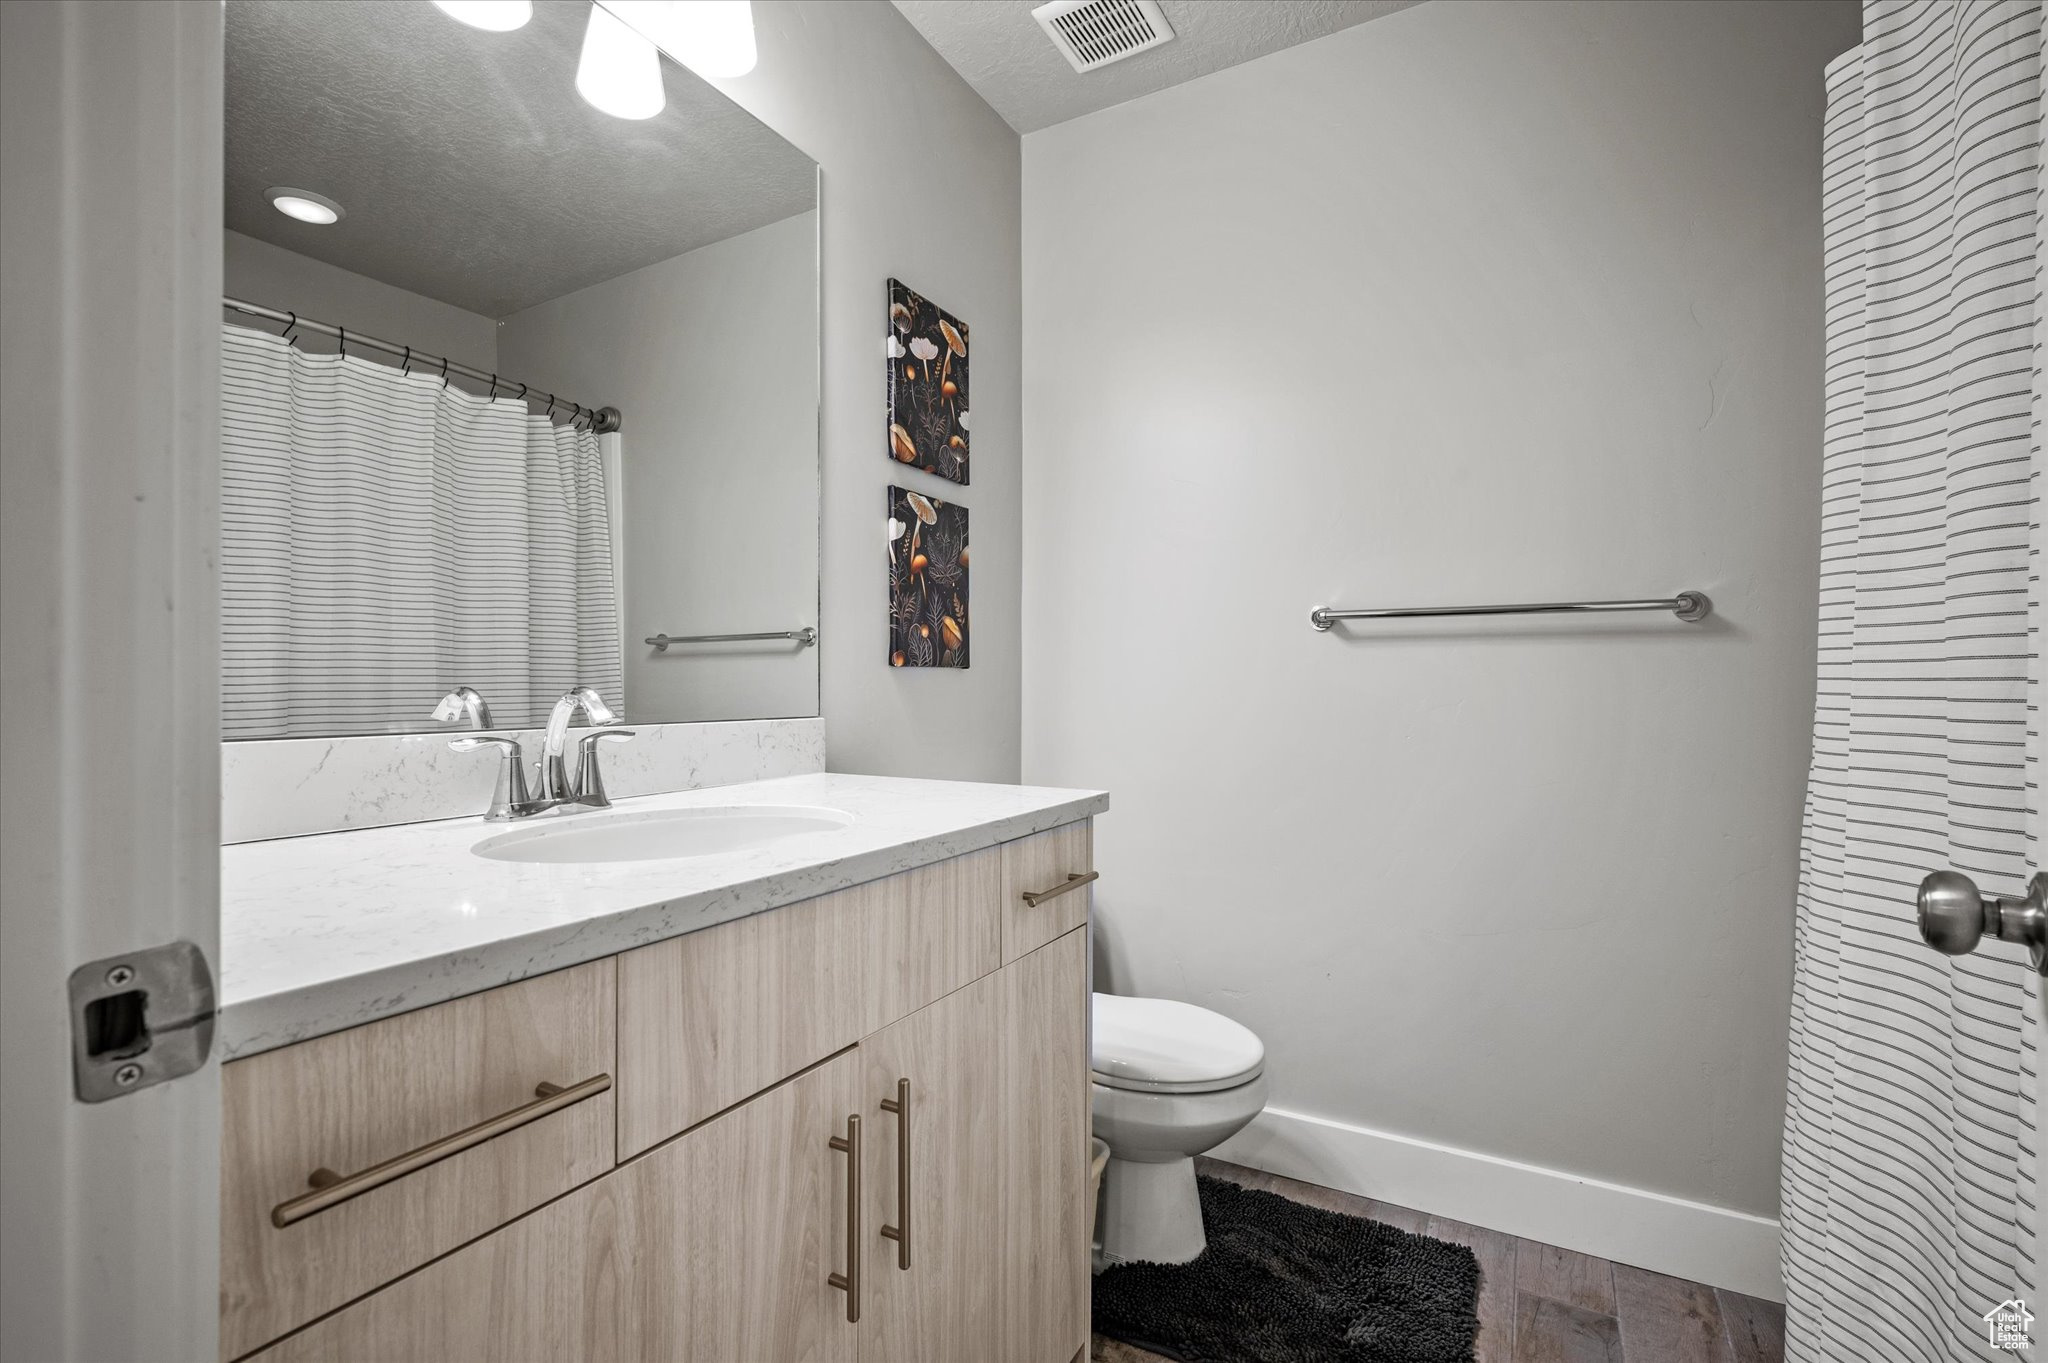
[(818, 1096)]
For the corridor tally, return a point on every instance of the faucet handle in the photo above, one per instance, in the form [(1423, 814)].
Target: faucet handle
[(510, 796), (589, 780)]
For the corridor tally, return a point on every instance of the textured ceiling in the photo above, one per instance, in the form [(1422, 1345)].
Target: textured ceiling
[(470, 169), (1009, 61)]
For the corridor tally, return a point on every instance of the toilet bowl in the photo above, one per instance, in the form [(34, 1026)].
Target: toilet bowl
[(1170, 1081)]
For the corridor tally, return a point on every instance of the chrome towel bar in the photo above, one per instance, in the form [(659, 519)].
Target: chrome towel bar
[(804, 637), (1690, 607)]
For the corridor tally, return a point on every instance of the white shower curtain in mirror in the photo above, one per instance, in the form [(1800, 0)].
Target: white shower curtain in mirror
[(1910, 1201), (385, 538)]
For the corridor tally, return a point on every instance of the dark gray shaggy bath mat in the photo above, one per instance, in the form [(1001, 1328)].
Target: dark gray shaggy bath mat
[(1285, 1283)]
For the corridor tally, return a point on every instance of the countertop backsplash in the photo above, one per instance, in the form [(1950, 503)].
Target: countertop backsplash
[(285, 788)]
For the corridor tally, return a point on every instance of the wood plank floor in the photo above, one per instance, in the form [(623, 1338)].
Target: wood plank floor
[(1542, 1304)]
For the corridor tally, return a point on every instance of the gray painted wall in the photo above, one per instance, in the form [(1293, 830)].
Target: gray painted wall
[(1475, 302), (713, 359), (260, 272), (920, 181)]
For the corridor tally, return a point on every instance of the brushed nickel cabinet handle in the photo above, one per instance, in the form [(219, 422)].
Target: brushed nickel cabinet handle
[(900, 1232), (849, 1281), (1073, 882), (331, 1189)]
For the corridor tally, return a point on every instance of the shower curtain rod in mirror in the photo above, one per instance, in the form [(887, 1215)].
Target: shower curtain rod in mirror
[(603, 420)]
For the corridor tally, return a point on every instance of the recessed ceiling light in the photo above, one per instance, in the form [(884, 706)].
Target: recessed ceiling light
[(498, 16), (620, 71), (304, 205)]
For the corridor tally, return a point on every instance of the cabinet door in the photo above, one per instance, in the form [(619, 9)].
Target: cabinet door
[(1043, 868), (714, 1248), (1042, 1152), (710, 1017), (540, 1290), (730, 1231), (932, 1289), (351, 1100)]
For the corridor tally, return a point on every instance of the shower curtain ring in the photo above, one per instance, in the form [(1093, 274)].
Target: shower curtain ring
[(522, 392), (289, 328), (342, 332), (494, 389), (550, 412), (444, 371), (405, 366)]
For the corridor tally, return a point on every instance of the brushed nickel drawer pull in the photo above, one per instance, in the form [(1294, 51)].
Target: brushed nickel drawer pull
[(849, 1281), (1073, 882), (330, 1188), (900, 1232)]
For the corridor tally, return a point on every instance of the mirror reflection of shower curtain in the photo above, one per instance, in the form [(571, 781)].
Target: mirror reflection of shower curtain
[(385, 538), (1911, 1203)]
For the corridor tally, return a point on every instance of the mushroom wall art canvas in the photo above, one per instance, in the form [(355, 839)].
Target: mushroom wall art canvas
[(927, 581), (927, 355)]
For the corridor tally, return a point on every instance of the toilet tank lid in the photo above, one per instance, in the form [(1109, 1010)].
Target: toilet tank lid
[(1164, 1041)]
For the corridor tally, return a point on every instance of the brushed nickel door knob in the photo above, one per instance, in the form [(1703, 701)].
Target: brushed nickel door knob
[(1951, 913), (1955, 916)]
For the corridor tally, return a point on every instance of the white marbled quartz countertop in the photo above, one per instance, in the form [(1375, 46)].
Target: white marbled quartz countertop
[(324, 932)]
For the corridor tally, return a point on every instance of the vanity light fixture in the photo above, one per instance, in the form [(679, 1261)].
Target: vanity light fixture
[(712, 37), (620, 70), (494, 16), (304, 205)]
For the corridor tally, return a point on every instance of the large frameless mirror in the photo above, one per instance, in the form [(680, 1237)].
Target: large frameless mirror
[(512, 383)]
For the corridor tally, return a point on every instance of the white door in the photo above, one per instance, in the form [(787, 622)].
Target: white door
[(110, 248)]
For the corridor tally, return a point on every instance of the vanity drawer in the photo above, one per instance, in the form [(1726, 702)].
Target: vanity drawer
[(1044, 868), (389, 1101), (715, 1016)]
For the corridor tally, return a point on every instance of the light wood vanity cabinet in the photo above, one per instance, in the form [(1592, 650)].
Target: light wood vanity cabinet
[(1045, 1105), (1045, 879), (932, 1289), (708, 1018), (346, 1102), (742, 1195)]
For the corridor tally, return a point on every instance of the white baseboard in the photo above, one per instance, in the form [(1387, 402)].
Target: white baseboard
[(1691, 1240)]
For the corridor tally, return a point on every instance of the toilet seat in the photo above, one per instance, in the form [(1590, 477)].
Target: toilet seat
[(1165, 1046)]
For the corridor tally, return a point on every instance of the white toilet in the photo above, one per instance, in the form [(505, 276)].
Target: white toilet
[(1170, 1081)]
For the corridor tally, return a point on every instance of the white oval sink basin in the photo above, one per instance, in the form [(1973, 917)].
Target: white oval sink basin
[(658, 834)]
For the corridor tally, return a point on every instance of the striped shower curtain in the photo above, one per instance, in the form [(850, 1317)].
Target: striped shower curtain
[(1910, 1201), (385, 538)]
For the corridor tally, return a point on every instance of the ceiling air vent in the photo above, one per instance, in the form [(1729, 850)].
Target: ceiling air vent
[(1092, 33)]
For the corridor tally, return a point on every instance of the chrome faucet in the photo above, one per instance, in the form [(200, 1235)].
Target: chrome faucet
[(560, 792), (464, 703), (555, 783)]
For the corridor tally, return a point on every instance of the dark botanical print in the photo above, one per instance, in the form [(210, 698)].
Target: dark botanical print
[(927, 581), (927, 350)]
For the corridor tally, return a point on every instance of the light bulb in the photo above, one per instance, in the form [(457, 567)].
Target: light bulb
[(620, 71), (497, 16), (304, 205), (711, 37)]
